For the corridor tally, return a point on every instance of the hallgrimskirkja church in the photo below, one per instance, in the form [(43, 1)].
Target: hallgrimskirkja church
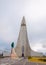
[(22, 48)]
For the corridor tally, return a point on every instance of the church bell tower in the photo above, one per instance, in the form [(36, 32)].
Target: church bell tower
[(22, 48)]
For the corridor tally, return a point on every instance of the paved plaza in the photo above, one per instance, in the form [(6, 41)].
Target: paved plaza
[(21, 61)]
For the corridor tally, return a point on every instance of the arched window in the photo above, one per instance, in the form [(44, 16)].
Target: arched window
[(22, 49)]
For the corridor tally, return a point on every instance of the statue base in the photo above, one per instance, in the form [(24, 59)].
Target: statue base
[(13, 54)]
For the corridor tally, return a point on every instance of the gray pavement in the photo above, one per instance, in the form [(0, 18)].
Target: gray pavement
[(31, 63), (20, 61)]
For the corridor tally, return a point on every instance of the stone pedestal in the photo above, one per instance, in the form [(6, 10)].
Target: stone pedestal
[(13, 54)]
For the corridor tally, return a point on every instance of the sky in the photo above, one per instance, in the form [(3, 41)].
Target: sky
[(11, 13)]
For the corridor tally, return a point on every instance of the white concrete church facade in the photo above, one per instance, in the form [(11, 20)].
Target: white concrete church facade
[(23, 48)]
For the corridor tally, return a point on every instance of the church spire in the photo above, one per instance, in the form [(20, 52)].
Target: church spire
[(23, 22), (22, 48)]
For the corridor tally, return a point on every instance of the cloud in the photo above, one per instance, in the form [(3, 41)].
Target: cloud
[(11, 13), (38, 47)]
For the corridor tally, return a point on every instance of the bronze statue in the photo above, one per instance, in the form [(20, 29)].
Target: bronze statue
[(12, 45)]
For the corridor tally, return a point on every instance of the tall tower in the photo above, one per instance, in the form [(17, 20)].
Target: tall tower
[(23, 48)]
